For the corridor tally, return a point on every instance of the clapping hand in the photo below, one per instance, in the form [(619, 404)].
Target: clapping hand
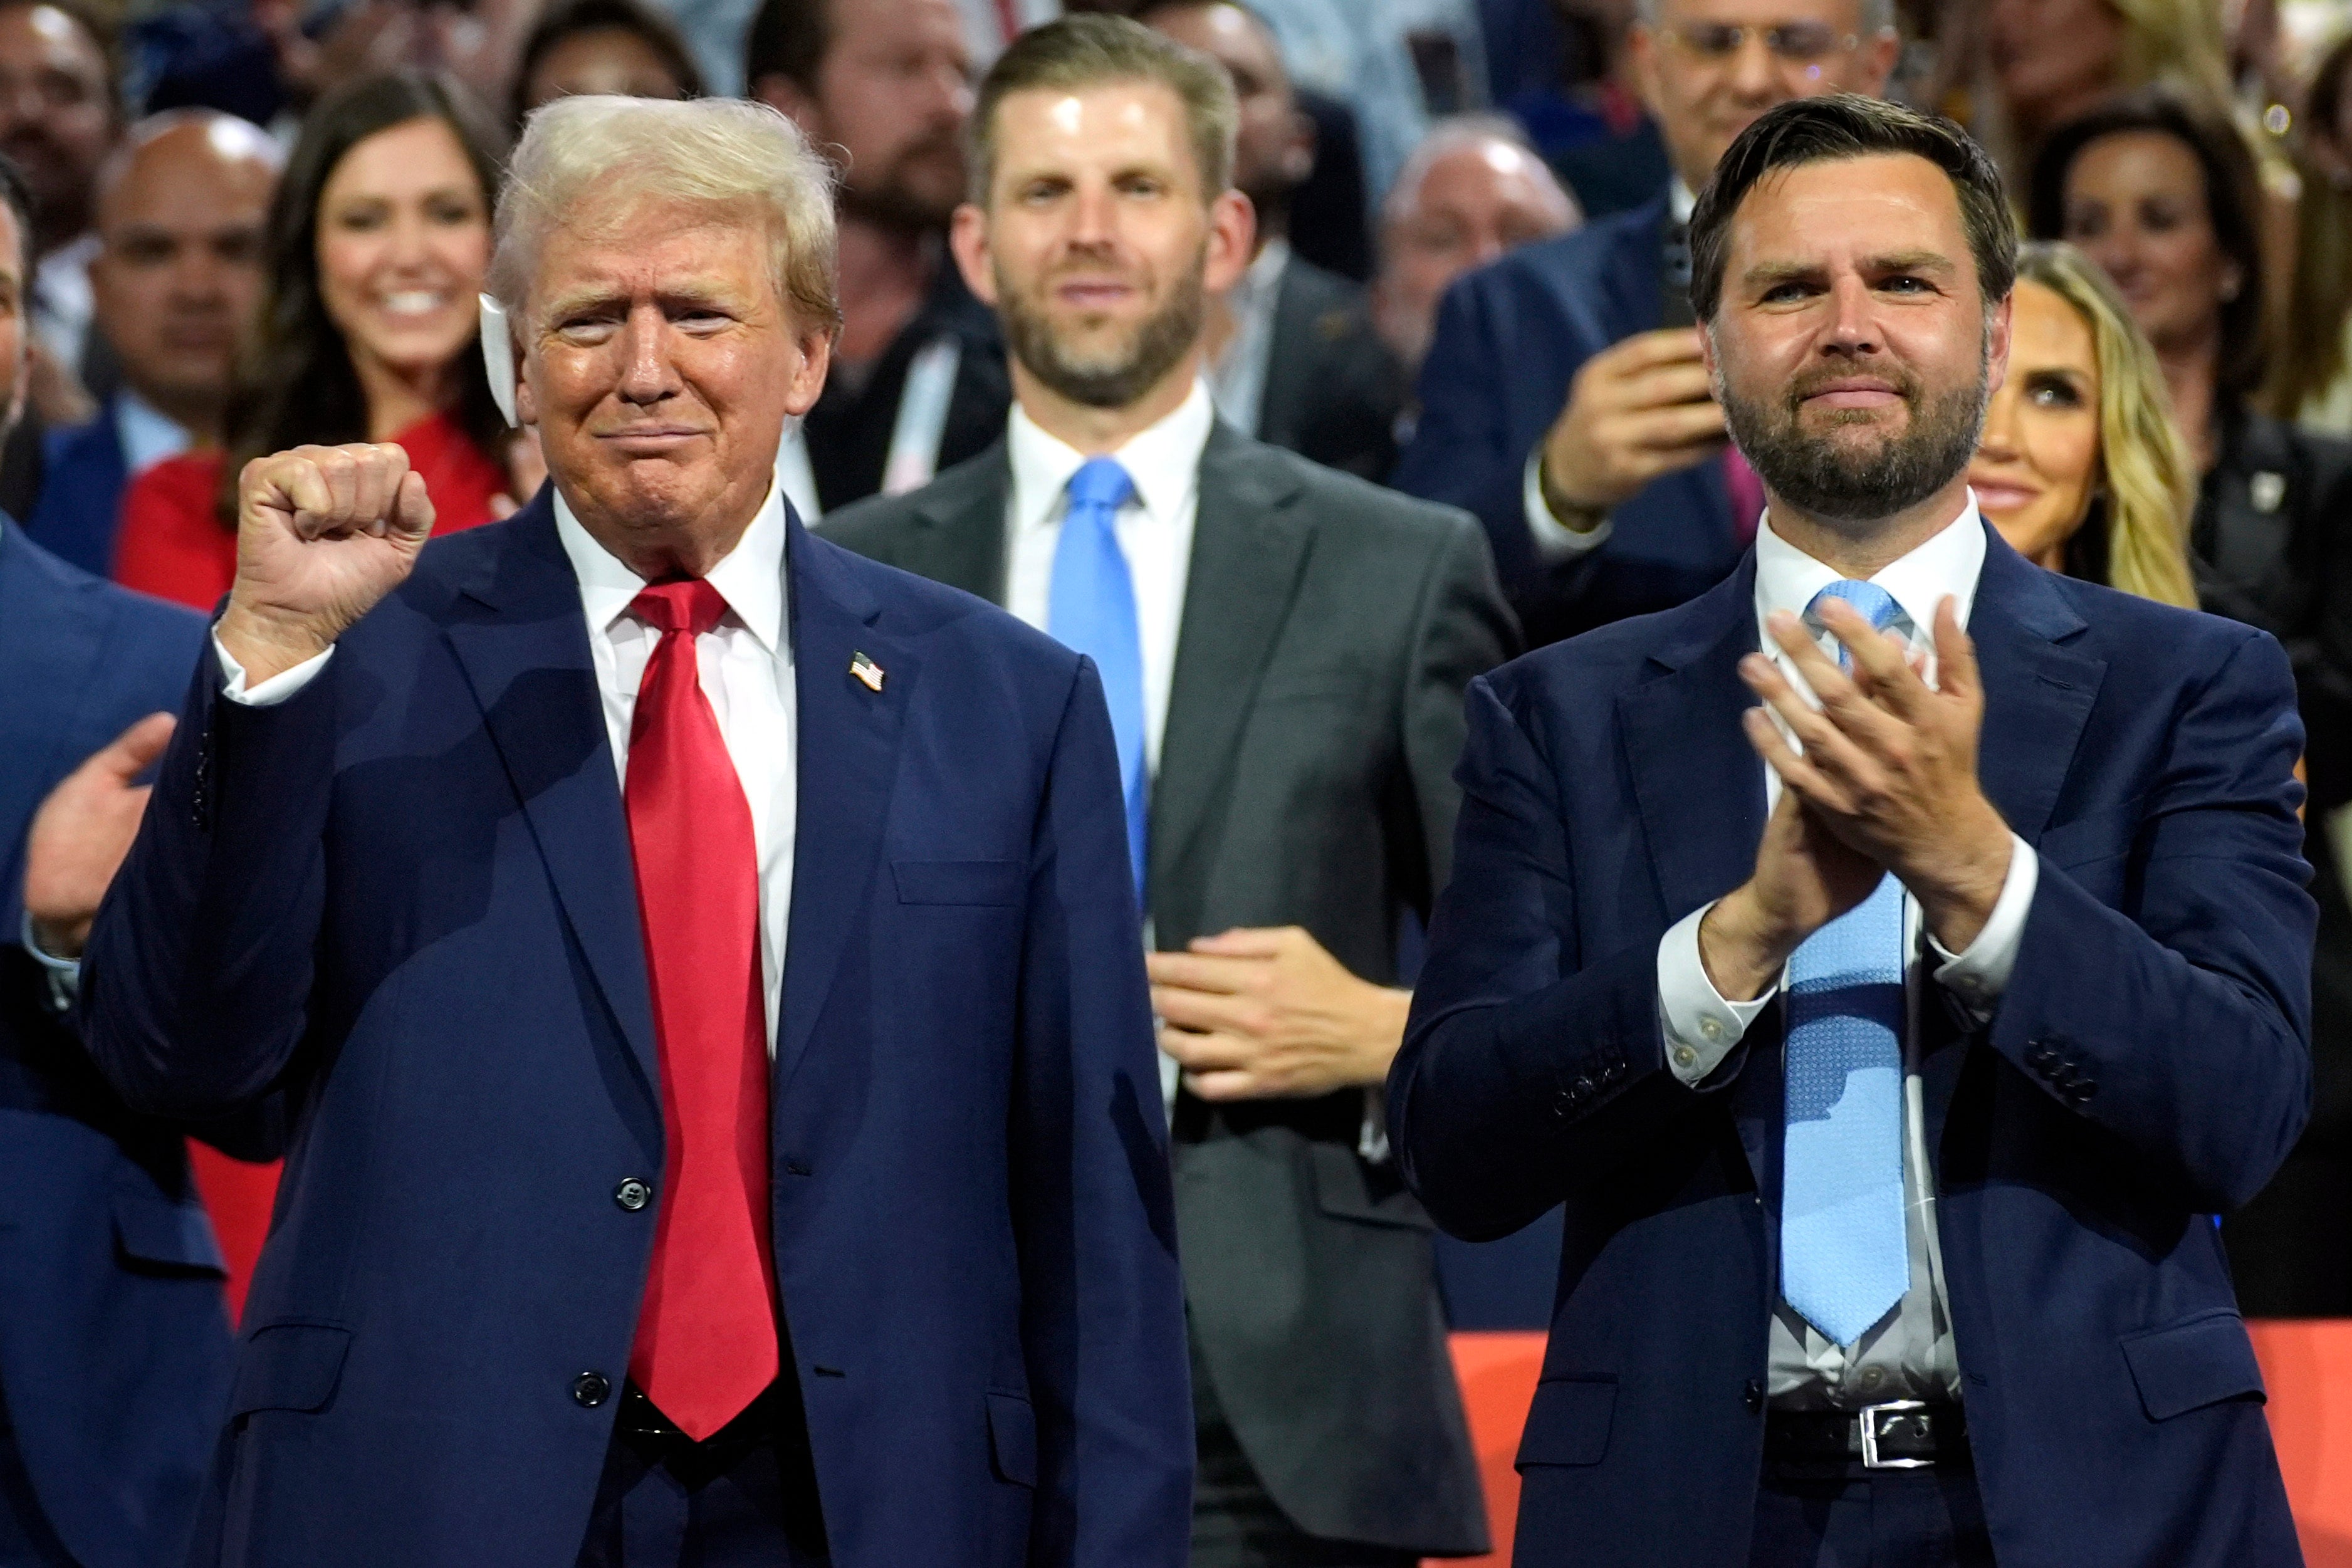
[(1885, 780), (322, 533), (82, 831)]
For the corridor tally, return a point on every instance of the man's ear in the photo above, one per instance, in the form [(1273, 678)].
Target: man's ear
[(968, 242), (1997, 339), (808, 376), (1232, 240)]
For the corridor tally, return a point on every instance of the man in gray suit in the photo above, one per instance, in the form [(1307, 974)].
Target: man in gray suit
[(1284, 651)]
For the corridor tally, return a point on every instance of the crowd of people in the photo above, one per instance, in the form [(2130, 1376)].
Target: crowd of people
[(1426, 382)]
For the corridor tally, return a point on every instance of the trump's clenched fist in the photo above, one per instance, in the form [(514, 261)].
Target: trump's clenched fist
[(322, 533)]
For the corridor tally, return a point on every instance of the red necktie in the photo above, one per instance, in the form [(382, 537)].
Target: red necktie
[(1746, 494), (707, 1333)]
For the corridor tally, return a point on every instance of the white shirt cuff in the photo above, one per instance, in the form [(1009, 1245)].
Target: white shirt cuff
[(1700, 1027), (1554, 540), (272, 691), (1980, 975), (64, 975)]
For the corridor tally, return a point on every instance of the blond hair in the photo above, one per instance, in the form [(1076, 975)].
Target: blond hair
[(605, 155), (2147, 478), (2177, 42)]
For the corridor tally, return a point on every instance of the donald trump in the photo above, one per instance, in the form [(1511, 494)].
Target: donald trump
[(699, 965)]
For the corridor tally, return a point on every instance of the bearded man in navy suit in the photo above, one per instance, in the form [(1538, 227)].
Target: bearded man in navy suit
[(1893, 1014), (700, 965)]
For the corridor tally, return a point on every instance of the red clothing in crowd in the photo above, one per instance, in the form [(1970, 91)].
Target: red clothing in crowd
[(174, 545)]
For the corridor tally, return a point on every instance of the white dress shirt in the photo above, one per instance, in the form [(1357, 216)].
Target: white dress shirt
[(148, 435), (1910, 1354), (1554, 540), (1154, 529), (1237, 381), (746, 666)]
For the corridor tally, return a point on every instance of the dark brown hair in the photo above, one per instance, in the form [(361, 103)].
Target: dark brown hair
[(787, 39), (2231, 184), (294, 383), (568, 19), (1830, 129)]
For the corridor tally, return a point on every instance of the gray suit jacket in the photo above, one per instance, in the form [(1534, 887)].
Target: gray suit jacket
[(1306, 778)]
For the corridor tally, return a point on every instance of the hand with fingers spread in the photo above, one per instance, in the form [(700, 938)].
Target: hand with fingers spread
[(1888, 763), (1638, 410), (82, 831), (1270, 1013), (322, 533)]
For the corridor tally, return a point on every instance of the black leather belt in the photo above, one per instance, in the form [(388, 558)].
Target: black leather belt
[(1900, 1435)]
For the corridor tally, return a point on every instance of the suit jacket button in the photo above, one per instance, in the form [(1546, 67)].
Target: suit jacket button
[(632, 1194), (1753, 1394), (590, 1389), (1583, 1087)]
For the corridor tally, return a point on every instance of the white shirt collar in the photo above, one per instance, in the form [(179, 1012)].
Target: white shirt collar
[(1945, 566), (1164, 459), (1264, 274), (1681, 201), (751, 577), (147, 434)]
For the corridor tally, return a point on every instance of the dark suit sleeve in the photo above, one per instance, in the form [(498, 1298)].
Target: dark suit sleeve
[(196, 982), (1463, 630), (2180, 1024), (1103, 1308), (1530, 1072), (1461, 451)]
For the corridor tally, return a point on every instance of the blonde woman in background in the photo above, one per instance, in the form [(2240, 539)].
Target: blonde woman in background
[(2079, 465)]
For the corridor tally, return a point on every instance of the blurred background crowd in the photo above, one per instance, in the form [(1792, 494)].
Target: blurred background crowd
[(264, 221)]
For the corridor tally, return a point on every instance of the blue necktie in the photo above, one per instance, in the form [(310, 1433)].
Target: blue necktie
[(1844, 1258), (1091, 609)]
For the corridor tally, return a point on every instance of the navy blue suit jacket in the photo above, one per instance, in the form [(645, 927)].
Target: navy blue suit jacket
[(114, 1340), (1510, 338), (2148, 1067), (83, 475), (405, 898)]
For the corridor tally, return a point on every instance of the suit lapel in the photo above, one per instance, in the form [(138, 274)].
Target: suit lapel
[(959, 526), (520, 634), (1684, 742), (848, 759), (1249, 549), (2038, 693)]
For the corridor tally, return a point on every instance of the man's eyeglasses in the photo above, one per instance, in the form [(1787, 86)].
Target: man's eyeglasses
[(1792, 43)]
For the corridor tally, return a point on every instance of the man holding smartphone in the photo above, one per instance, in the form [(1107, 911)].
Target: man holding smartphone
[(1563, 400)]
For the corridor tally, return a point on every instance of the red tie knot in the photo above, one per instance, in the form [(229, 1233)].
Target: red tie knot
[(693, 605)]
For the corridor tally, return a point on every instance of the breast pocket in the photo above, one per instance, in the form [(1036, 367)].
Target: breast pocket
[(981, 882)]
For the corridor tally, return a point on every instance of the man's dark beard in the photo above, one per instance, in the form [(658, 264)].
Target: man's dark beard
[(1813, 474), (894, 202), (1162, 340)]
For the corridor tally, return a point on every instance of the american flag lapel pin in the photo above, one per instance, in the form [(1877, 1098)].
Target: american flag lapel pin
[(866, 670)]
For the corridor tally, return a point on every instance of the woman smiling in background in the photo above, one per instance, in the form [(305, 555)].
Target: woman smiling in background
[(2079, 465), (378, 242)]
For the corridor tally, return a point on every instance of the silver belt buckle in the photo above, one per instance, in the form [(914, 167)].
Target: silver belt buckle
[(1871, 1414)]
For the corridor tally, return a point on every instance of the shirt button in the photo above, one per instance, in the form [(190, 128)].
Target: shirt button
[(1685, 1056), (632, 1194), (590, 1389), (1873, 1376), (1711, 1027)]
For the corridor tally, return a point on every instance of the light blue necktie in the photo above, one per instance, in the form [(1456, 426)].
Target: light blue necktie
[(1091, 609), (1844, 1258)]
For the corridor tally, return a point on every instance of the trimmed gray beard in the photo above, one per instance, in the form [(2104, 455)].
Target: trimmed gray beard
[(1816, 476), (1163, 339)]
